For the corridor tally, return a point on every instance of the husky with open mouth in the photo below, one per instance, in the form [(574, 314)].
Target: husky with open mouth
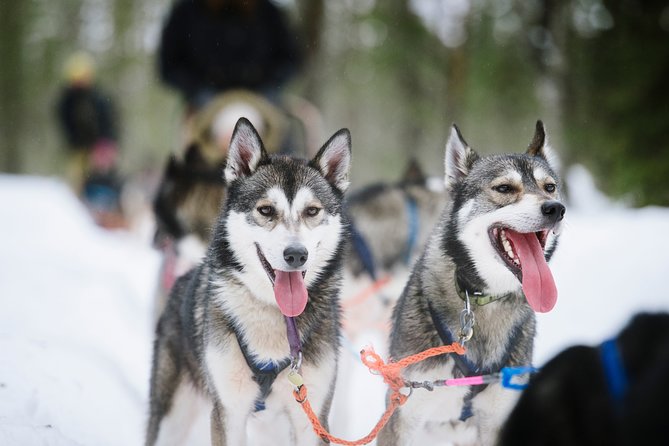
[(491, 247), (272, 269)]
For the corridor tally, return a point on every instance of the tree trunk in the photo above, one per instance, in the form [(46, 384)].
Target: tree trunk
[(12, 33)]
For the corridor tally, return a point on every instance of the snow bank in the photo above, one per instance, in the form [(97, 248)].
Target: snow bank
[(612, 262), (74, 326)]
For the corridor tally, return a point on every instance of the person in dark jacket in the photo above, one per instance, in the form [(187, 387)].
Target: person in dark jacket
[(88, 122), (210, 46), (86, 117)]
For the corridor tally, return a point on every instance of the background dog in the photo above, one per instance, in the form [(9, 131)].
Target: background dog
[(276, 252), (584, 396), (393, 221), (497, 231)]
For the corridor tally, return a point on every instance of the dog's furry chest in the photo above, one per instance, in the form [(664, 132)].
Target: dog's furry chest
[(259, 327)]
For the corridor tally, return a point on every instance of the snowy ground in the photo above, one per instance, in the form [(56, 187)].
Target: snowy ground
[(76, 302)]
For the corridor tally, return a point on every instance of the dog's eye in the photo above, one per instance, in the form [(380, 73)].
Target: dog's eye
[(312, 211), (503, 188), (550, 188), (266, 211)]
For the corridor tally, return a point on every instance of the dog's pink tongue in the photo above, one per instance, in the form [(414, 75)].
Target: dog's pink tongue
[(290, 292), (538, 284)]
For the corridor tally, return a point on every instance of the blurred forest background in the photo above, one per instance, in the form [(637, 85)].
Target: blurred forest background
[(396, 72)]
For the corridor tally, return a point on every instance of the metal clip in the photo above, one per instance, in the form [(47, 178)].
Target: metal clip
[(467, 321), (296, 363)]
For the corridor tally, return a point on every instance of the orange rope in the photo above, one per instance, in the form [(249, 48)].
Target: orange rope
[(367, 292), (391, 373), (300, 394)]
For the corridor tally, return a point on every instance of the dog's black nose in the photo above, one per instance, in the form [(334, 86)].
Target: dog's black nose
[(554, 210), (295, 255)]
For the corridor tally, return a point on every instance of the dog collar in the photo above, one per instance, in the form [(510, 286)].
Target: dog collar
[(477, 297)]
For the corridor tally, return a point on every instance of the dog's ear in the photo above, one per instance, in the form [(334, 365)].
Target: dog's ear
[(459, 158), (539, 147), (413, 173), (333, 160), (245, 152)]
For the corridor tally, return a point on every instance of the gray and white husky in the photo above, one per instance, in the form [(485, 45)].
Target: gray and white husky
[(276, 254), (392, 221), (491, 246)]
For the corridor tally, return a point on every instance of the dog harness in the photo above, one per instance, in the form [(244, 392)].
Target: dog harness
[(264, 373), (464, 365), (363, 251), (412, 237), (614, 371)]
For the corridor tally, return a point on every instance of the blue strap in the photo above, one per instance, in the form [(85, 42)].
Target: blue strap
[(362, 250), (264, 373), (509, 372), (464, 364), (412, 237), (467, 410), (614, 370)]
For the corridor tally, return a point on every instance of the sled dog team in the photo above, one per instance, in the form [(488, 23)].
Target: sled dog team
[(275, 259)]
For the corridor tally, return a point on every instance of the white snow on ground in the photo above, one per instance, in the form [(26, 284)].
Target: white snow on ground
[(74, 324), (75, 330), (611, 263)]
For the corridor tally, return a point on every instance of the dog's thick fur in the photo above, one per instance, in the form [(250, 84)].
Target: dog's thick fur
[(228, 300), (190, 196), (497, 191), (568, 403), (381, 213)]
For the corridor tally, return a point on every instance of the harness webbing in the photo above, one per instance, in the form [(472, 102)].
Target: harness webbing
[(413, 229), (264, 373), (363, 251), (462, 363), (614, 371)]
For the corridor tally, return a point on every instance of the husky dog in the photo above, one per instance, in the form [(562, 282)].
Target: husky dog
[(496, 233), (275, 257), (189, 196), (187, 203), (391, 222)]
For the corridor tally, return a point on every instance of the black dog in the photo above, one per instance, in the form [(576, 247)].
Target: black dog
[(614, 395)]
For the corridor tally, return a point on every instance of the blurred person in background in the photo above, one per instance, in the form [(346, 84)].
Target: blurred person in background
[(88, 122), (210, 46)]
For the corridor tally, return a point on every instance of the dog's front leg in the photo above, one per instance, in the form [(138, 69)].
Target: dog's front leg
[(228, 427), (492, 407)]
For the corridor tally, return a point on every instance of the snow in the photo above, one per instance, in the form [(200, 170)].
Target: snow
[(75, 325), (74, 328), (612, 262)]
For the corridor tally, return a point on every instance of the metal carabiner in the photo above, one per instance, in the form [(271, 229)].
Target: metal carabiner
[(467, 321), (296, 363)]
